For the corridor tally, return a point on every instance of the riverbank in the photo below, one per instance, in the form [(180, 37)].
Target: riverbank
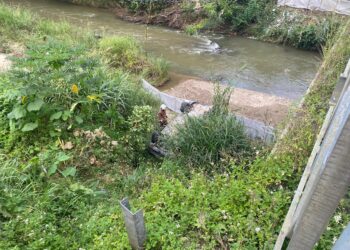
[(269, 109), (73, 132), (237, 60), (264, 21)]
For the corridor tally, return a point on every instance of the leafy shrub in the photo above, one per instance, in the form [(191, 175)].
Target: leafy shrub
[(157, 71), (242, 208), (35, 104), (15, 20), (237, 14), (302, 31), (238, 210), (211, 213), (141, 124), (35, 213), (206, 140), (123, 52), (193, 29), (148, 6), (126, 53), (55, 89)]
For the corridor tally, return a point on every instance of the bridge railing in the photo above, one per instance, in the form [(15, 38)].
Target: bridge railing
[(326, 177)]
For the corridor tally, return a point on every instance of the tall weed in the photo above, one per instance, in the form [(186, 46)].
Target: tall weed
[(205, 141), (126, 53)]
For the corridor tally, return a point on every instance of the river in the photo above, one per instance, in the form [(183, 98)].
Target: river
[(238, 61)]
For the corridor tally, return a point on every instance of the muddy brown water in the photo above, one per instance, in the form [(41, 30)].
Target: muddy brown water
[(238, 61)]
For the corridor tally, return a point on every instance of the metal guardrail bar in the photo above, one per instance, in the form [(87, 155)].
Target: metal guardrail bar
[(327, 184), (312, 179), (135, 225), (344, 240), (289, 220)]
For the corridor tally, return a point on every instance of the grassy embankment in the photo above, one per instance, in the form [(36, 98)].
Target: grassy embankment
[(61, 179), (263, 20)]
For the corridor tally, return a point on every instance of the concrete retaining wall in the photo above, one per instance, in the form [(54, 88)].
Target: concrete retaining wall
[(255, 129), (172, 102)]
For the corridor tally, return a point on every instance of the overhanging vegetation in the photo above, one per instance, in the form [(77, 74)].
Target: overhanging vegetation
[(61, 179), (260, 19)]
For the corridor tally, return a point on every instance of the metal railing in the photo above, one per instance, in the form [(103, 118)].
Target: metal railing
[(326, 177)]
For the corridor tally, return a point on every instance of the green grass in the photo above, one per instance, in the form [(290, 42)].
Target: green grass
[(62, 87), (96, 3), (211, 139), (157, 70), (43, 205), (298, 29), (194, 29), (20, 25), (123, 52), (261, 19), (126, 53)]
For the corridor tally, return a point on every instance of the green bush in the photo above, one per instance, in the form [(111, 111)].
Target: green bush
[(51, 88), (57, 87), (212, 214), (193, 29), (205, 141), (36, 213), (15, 21), (126, 53), (122, 52), (242, 208), (157, 71), (302, 31), (237, 14), (148, 6), (141, 124)]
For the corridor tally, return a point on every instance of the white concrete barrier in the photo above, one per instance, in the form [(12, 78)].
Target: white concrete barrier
[(255, 129)]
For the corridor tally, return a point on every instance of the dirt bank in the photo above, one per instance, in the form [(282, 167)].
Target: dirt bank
[(173, 17), (5, 63), (269, 109)]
